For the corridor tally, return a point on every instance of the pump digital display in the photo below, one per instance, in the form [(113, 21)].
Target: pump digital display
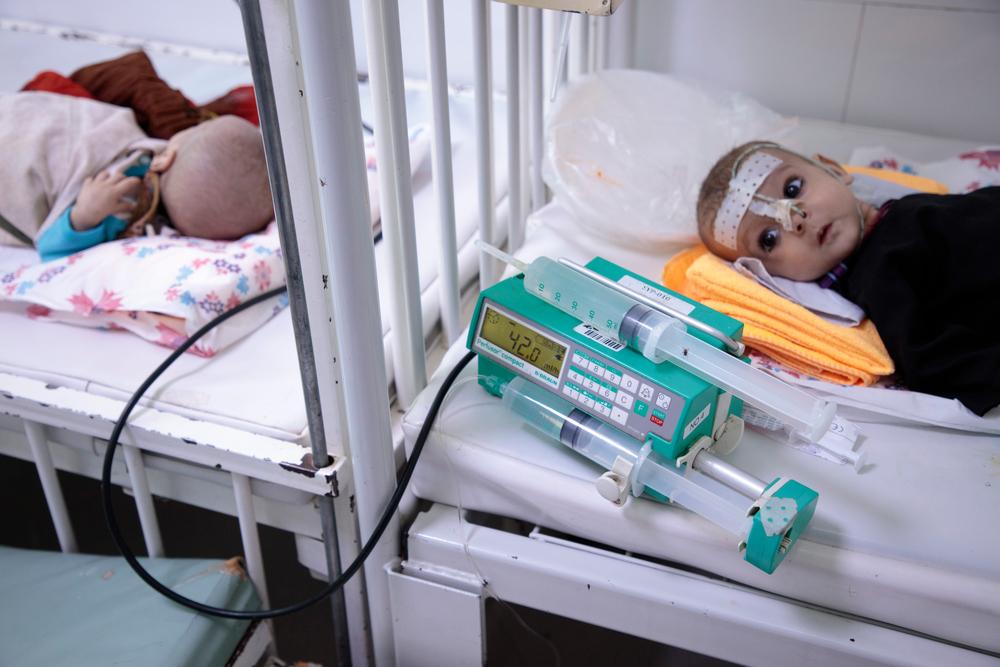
[(523, 342)]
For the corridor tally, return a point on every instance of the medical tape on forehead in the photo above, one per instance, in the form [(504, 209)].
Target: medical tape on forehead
[(742, 188)]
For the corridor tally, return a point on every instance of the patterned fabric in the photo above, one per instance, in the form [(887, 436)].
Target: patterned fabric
[(832, 276), (162, 288), (965, 172)]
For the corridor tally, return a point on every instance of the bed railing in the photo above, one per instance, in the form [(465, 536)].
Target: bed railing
[(305, 75), (316, 109)]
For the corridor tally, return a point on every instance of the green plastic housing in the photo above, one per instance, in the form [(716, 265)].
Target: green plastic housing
[(767, 551), (691, 409)]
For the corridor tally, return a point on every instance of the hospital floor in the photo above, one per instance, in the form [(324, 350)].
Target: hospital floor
[(515, 635)]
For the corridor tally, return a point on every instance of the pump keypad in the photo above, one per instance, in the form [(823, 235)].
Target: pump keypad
[(603, 389)]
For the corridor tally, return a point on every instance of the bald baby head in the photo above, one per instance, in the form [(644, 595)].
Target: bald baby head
[(214, 180)]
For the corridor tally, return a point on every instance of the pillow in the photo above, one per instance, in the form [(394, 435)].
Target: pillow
[(163, 288), (911, 181), (962, 173), (627, 151), (131, 81)]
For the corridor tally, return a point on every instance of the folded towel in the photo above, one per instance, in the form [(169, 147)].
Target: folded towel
[(782, 329)]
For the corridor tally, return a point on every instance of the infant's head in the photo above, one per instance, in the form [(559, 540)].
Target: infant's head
[(213, 180), (796, 214)]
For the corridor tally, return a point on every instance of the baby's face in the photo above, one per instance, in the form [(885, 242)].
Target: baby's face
[(829, 232)]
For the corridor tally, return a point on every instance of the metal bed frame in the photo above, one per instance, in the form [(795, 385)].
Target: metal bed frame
[(304, 72), (330, 497)]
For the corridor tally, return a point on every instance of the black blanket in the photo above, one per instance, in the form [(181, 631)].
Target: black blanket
[(928, 275)]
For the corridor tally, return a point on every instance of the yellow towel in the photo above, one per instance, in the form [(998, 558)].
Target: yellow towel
[(782, 329)]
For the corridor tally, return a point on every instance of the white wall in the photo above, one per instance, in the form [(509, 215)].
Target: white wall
[(927, 66)]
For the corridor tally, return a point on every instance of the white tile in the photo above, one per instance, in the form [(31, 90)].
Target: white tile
[(792, 56), (929, 71)]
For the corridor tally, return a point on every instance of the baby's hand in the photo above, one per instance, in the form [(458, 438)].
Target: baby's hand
[(101, 196)]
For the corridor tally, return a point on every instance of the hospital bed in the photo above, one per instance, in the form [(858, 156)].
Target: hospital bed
[(887, 573), (239, 420), (852, 591)]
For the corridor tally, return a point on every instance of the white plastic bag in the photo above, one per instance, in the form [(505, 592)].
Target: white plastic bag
[(627, 151)]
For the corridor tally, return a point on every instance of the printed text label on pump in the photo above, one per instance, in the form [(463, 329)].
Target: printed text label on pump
[(671, 302)]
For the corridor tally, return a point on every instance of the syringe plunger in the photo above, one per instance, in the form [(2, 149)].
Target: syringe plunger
[(659, 337), (604, 444)]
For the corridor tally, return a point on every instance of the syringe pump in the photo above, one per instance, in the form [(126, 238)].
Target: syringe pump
[(650, 385)]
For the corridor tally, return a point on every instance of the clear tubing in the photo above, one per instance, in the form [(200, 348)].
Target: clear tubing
[(659, 337), (604, 444)]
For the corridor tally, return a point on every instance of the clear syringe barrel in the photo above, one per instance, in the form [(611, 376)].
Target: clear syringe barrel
[(603, 444), (659, 337), (577, 295)]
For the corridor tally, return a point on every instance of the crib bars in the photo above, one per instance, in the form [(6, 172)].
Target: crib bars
[(304, 71)]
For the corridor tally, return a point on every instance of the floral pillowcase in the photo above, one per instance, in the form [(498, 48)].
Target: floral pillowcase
[(163, 288), (963, 173)]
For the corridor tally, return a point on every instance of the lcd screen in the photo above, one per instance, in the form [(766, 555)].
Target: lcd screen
[(523, 342)]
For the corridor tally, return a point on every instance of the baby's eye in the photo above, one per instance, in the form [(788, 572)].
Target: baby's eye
[(793, 187), (768, 239)]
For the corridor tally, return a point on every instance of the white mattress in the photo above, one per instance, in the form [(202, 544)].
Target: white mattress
[(254, 385), (911, 541)]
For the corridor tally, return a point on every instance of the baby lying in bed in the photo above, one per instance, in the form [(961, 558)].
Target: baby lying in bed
[(923, 267), (79, 172)]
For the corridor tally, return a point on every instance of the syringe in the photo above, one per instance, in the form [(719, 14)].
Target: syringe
[(603, 444), (786, 506), (615, 312)]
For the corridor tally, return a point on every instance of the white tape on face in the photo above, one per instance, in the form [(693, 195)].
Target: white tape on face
[(754, 170), (776, 209)]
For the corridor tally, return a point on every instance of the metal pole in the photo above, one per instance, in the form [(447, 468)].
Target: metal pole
[(592, 44), (524, 62), (385, 71), (489, 270), (253, 26), (39, 444), (537, 101), (249, 535), (739, 480), (515, 215), (331, 95), (143, 500), (437, 67), (603, 37), (580, 45)]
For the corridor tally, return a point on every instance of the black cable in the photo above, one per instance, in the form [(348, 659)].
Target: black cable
[(390, 510)]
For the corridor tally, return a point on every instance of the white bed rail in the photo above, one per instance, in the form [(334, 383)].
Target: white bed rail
[(444, 182), (304, 70)]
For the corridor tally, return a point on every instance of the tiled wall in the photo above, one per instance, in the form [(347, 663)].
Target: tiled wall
[(927, 66)]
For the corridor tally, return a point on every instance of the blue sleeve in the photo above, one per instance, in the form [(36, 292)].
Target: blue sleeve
[(60, 239)]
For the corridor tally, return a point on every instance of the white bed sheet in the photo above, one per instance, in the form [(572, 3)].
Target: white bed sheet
[(255, 384), (911, 541)]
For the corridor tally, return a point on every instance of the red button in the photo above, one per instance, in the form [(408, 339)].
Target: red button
[(656, 420)]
